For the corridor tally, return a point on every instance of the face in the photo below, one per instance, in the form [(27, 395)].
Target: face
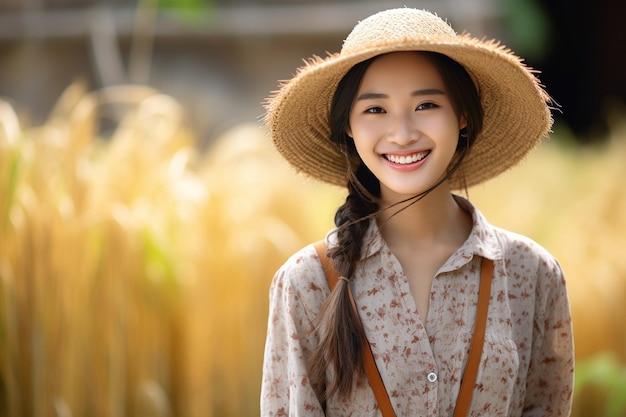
[(403, 124)]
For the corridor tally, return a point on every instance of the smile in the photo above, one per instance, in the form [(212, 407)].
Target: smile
[(406, 159)]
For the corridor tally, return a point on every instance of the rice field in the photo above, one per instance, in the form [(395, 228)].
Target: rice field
[(134, 269)]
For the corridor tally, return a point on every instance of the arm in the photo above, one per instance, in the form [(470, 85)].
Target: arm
[(286, 390), (550, 379)]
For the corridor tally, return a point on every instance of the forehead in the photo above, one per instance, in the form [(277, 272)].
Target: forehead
[(398, 69)]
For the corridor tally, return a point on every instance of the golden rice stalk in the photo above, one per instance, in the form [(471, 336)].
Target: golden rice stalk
[(134, 273), (88, 284), (10, 133)]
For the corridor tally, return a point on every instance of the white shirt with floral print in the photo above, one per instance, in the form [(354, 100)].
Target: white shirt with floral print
[(526, 368)]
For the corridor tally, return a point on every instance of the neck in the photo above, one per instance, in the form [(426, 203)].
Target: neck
[(435, 219)]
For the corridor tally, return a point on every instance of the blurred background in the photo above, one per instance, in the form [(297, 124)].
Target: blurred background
[(143, 211)]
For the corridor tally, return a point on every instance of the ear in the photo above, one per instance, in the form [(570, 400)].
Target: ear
[(349, 131), (462, 122)]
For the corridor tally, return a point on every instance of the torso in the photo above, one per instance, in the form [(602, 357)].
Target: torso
[(422, 242), (527, 288)]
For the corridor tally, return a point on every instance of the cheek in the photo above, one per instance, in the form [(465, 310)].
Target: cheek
[(366, 151), (361, 135), (360, 147), (449, 130), (366, 130)]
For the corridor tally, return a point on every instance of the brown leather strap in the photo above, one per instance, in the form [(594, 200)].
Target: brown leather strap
[(471, 368), (464, 399), (371, 370), (331, 274)]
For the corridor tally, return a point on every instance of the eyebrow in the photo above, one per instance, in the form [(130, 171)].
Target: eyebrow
[(416, 93)]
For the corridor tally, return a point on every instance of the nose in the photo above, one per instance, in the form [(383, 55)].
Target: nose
[(403, 130)]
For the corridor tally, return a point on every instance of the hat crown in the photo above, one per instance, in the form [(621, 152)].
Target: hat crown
[(393, 25)]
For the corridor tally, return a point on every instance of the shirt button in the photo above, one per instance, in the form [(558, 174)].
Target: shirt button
[(432, 377)]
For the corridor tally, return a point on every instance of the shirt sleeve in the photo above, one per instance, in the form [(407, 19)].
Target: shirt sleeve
[(549, 384), (286, 389)]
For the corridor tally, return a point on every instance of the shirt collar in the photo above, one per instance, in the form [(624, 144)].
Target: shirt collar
[(482, 240)]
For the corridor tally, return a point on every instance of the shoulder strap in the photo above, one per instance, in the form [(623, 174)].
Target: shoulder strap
[(471, 368), (373, 375), (331, 274), (464, 399)]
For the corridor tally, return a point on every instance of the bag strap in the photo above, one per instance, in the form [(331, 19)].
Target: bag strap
[(371, 370), (471, 368), (464, 399)]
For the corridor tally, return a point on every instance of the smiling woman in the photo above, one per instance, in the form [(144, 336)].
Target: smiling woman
[(406, 113)]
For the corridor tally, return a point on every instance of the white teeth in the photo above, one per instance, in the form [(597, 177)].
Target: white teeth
[(408, 159)]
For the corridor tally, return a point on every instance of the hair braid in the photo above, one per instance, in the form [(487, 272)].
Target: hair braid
[(341, 336)]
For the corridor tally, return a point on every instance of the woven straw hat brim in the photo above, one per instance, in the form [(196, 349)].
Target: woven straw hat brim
[(515, 106)]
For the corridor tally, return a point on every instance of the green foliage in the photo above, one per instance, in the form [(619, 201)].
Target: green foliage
[(604, 372), (528, 27), (189, 11)]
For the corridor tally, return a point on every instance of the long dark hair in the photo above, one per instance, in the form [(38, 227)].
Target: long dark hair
[(341, 338)]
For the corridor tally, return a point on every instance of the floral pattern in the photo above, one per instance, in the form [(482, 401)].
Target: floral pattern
[(527, 364)]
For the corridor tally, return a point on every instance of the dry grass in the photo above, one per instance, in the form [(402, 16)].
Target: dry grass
[(134, 271)]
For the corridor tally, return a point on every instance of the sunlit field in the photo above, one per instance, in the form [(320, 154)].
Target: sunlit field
[(134, 270)]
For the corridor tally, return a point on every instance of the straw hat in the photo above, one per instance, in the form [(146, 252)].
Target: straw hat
[(516, 109)]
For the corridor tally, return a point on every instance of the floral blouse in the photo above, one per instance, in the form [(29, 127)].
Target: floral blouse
[(526, 367)]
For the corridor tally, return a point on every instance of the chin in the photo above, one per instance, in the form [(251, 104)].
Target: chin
[(403, 191)]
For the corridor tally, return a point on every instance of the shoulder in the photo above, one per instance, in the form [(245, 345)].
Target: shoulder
[(522, 251), (530, 267), (301, 269), (514, 249), (517, 250), (300, 281)]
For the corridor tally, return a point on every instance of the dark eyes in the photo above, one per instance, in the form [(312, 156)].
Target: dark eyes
[(426, 106), (423, 106), (375, 110)]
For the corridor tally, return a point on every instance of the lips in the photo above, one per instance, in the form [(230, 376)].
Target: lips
[(406, 159)]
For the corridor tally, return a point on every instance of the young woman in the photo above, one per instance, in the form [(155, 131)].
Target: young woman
[(405, 114)]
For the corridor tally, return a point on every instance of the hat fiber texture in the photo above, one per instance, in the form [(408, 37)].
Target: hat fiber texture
[(516, 108)]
